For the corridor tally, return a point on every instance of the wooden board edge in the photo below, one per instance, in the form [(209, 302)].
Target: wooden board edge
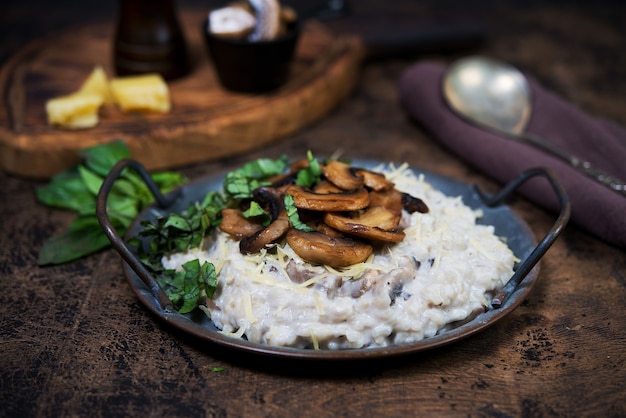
[(203, 141)]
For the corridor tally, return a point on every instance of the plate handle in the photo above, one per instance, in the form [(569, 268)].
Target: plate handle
[(118, 243), (564, 214)]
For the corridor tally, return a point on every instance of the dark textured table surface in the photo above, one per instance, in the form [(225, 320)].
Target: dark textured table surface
[(75, 341)]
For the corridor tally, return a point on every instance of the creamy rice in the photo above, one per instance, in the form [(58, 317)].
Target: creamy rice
[(446, 268)]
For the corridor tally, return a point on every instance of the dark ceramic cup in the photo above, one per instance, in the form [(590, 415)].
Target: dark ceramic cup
[(252, 67)]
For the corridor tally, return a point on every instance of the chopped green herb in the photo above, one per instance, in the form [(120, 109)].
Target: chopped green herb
[(180, 232), (264, 167), (294, 218), (255, 210), (310, 175), (240, 184), (177, 233), (187, 288)]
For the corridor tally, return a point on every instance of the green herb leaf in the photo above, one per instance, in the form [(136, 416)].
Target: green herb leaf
[(187, 287), (167, 180), (240, 183), (264, 167), (237, 186), (66, 191), (180, 232), (83, 237), (101, 158), (294, 217), (307, 177), (76, 189), (255, 210)]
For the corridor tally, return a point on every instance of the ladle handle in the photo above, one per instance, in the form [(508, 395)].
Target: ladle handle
[(583, 166)]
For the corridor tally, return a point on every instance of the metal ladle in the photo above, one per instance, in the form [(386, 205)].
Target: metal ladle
[(496, 96)]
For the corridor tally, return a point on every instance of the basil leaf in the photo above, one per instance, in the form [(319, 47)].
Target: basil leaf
[(240, 183), (123, 209), (66, 191), (166, 180), (264, 167), (101, 158), (209, 276), (91, 180), (76, 189), (212, 206), (294, 217), (237, 186), (76, 242), (255, 210), (185, 288), (307, 177)]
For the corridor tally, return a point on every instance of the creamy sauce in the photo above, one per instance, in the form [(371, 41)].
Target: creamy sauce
[(446, 267)]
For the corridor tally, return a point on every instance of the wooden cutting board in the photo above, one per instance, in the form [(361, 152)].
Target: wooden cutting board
[(206, 121)]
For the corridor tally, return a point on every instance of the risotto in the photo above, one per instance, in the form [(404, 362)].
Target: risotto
[(446, 268)]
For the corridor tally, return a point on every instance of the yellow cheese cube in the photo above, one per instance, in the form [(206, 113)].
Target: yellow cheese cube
[(74, 111), (98, 83), (143, 93)]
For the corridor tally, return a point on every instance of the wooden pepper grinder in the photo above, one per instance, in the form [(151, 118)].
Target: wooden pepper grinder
[(149, 39)]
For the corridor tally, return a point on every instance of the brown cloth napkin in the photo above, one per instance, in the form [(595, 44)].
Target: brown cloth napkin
[(595, 208)]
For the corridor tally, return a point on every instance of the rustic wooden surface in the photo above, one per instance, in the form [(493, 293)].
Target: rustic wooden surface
[(206, 121), (75, 341)]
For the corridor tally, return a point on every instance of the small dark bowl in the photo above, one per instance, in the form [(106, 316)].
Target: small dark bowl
[(252, 67)]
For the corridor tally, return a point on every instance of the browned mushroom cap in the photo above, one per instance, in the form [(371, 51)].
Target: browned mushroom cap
[(324, 186), (319, 248), (298, 165), (375, 181), (272, 233), (342, 175), (413, 204), (236, 225), (384, 211), (364, 225), (391, 200), (327, 230), (378, 222), (334, 202)]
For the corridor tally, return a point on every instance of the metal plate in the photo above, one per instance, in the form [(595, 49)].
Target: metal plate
[(507, 224)]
